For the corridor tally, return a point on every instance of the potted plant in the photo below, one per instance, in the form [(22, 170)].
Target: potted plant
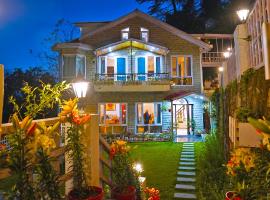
[(123, 174), (80, 191)]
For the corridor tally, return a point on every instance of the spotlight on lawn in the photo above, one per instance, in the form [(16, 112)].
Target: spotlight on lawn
[(80, 86), (138, 168)]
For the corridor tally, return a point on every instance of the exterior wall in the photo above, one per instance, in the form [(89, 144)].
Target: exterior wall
[(197, 111), (166, 116)]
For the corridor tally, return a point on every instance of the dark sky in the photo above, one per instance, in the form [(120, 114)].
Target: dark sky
[(24, 23)]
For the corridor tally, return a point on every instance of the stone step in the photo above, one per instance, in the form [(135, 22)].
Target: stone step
[(185, 187), (188, 152), (187, 163), (187, 156), (188, 146), (187, 159), (186, 168), (185, 179), (186, 173), (185, 196), (188, 149)]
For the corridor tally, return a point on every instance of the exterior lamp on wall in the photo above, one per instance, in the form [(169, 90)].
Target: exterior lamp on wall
[(243, 14), (80, 87), (220, 69), (226, 54)]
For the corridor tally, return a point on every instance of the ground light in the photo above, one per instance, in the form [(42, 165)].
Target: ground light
[(243, 14), (80, 87), (138, 168)]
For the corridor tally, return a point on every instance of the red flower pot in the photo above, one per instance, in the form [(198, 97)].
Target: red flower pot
[(95, 193), (231, 196), (128, 194)]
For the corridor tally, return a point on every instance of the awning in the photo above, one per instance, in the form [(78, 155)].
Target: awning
[(132, 43), (177, 95)]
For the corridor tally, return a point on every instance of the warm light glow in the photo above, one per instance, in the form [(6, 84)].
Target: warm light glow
[(138, 168), (226, 54), (220, 69), (243, 14), (80, 88)]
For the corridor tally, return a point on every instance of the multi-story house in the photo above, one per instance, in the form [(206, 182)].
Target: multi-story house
[(145, 75)]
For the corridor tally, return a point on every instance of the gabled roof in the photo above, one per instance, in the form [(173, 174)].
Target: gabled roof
[(155, 21), (132, 43)]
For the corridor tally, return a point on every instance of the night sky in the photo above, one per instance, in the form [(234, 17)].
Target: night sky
[(25, 23)]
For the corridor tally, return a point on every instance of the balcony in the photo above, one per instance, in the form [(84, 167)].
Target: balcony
[(132, 82), (212, 59)]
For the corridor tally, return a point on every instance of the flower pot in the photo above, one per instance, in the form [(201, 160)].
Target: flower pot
[(232, 196), (95, 193), (129, 194)]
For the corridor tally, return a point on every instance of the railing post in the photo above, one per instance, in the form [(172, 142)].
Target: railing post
[(92, 154), (1, 91)]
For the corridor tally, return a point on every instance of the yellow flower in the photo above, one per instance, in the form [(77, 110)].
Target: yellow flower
[(69, 107)]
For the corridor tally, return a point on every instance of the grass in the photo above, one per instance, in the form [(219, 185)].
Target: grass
[(160, 161)]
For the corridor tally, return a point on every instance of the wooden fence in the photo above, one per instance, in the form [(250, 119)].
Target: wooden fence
[(96, 150), (259, 14)]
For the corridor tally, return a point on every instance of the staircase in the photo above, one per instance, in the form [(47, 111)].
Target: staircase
[(185, 187)]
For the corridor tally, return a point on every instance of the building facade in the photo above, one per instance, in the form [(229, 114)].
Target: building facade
[(145, 75)]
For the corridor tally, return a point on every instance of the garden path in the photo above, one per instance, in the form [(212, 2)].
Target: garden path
[(185, 187)]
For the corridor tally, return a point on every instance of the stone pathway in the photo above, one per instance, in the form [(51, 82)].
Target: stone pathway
[(186, 175)]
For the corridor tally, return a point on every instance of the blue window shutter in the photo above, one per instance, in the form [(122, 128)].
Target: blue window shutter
[(141, 68), (157, 65), (121, 69)]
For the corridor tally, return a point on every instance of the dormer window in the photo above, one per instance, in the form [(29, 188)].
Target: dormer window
[(144, 34), (125, 33)]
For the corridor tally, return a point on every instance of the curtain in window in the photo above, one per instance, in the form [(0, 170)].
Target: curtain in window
[(69, 67), (80, 66)]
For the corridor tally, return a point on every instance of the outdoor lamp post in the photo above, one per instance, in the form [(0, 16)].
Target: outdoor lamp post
[(80, 87), (243, 14)]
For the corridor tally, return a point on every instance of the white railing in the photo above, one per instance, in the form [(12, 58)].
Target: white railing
[(212, 57)]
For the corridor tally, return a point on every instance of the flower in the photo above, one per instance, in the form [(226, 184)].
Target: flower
[(118, 147), (68, 107), (80, 120), (31, 129), (152, 193), (3, 147)]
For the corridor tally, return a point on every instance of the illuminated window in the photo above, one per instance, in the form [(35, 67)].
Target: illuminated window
[(149, 113), (113, 113), (181, 66), (144, 34), (125, 33), (73, 66)]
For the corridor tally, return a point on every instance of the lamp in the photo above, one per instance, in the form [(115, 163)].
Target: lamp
[(226, 54), (220, 69), (243, 14), (80, 86)]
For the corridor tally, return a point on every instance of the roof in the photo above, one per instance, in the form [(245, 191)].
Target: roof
[(155, 21), (71, 45), (132, 43)]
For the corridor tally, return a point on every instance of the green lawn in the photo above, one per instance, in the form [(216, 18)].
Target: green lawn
[(160, 161)]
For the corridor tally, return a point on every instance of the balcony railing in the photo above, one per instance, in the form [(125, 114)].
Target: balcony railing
[(132, 77), (213, 57), (148, 78)]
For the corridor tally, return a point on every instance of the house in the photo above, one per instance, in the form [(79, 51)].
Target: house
[(145, 75)]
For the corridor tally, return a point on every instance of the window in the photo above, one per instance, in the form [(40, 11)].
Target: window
[(113, 113), (144, 34), (149, 113), (73, 66), (181, 66), (125, 33)]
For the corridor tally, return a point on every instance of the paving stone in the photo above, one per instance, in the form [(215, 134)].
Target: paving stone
[(188, 146), (187, 149), (187, 159), (188, 152), (186, 168), (185, 179), (187, 163), (187, 173), (185, 196), (185, 187), (187, 156)]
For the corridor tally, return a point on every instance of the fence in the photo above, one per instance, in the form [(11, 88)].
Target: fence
[(96, 150), (259, 14)]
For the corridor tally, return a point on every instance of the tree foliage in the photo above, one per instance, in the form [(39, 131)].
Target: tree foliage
[(198, 16), (15, 80)]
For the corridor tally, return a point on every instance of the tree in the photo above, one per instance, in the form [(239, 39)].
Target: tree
[(15, 81), (63, 31)]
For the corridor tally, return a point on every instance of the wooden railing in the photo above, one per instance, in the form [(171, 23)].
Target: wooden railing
[(212, 57), (259, 14), (97, 152)]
